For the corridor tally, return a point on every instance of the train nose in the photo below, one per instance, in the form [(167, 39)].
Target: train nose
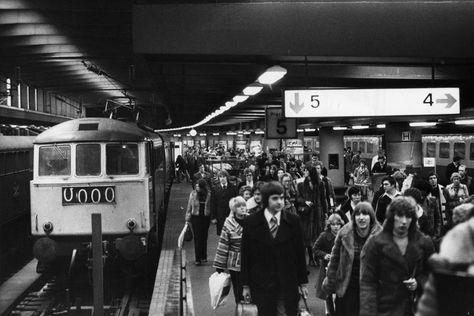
[(45, 250), (130, 247)]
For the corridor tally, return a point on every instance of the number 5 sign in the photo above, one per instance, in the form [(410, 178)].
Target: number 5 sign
[(277, 126)]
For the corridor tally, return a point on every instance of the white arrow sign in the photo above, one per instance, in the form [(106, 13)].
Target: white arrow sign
[(371, 102)]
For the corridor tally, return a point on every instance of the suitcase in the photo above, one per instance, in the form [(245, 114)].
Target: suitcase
[(246, 309)]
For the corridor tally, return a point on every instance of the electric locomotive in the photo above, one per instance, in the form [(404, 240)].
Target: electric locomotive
[(98, 165)]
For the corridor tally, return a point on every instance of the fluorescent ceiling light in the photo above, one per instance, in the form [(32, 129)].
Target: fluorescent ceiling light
[(202, 134), (464, 122), (299, 130), (246, 133), (176, 135), (339, 128), (193, 132), (310, 130), (231, 133), (380, 125), (253, 89), (240, 98), (422, 124), (259, 132), (272, 75), (360, 126), (231, 103), (215, 134)]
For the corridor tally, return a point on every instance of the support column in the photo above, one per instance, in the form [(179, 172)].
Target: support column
[(331, 148), (404, 147)]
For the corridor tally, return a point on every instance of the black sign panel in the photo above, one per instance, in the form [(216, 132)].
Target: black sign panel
[(88, 195)]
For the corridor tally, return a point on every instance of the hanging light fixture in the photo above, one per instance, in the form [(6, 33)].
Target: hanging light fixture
[(253, 89), (272, 75), (193, 132)]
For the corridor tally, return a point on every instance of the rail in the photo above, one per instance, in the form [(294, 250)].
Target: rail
[(186, 297)]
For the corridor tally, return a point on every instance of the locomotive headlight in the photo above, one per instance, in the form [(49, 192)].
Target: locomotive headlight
[(132, 224), (48, 227)]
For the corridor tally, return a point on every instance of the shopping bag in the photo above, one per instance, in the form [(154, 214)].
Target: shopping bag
[(219, 288), (246, 309), (304, 309)]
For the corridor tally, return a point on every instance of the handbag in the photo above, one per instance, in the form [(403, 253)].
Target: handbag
[(246, 309), (188, 235)]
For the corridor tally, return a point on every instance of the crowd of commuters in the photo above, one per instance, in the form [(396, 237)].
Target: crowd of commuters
[(278, 217)]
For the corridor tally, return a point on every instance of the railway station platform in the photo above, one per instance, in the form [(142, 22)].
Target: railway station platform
[(166, 293), (17, 284)]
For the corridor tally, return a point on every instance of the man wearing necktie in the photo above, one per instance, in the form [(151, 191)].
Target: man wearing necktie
[(221, 195), (273, 268)]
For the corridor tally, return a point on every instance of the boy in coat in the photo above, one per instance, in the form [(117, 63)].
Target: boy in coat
[(273, 269)]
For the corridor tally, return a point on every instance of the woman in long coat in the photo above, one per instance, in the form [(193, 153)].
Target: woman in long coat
[(322, 251), (343, 269), (394, 263), (198, 214), (312, 209)]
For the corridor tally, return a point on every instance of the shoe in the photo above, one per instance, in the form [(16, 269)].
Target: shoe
[(203, 260), (198, 263)]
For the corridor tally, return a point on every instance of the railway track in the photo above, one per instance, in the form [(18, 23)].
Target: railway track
[(49, 296)]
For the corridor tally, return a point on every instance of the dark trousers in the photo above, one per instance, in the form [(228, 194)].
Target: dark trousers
[(348, 305), (200, 226), (236, 286)]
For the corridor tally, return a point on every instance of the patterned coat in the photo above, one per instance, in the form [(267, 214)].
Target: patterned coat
[(228, 248), (193, 205)]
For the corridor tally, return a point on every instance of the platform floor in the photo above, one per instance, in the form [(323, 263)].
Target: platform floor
[(17, 284), (200, 274)]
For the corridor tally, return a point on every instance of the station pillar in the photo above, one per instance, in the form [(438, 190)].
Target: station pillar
[(403, 146), (331, 148)]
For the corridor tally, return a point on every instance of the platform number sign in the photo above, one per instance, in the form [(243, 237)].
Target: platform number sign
[(277, 126)]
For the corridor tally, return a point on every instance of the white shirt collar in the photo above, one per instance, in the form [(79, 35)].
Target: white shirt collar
[(268, 216)]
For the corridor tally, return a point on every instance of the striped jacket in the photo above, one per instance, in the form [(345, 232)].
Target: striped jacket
[(228, 248)]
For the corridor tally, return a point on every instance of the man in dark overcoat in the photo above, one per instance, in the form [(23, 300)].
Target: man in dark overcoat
[(221, 195), (273, 270)]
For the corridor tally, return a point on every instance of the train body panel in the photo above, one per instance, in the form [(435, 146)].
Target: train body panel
[(118, 202), (16, 171), (98, 165)]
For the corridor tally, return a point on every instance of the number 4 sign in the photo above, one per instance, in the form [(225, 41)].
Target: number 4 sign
[(277, 126)]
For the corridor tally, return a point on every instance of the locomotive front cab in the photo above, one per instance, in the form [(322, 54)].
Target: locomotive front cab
[(93, 174)]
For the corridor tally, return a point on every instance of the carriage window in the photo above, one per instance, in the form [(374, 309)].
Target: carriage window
[(370, 148), (355, 146), (122, 159), (88, 160), (444, 150), (362, 147), (460, 150), (430, 150), (471, 151), (55, 160)]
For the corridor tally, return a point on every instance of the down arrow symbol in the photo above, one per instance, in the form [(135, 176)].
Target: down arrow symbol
[(297, 106)]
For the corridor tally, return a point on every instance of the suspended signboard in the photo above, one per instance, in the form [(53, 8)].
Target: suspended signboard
[(371, 102)]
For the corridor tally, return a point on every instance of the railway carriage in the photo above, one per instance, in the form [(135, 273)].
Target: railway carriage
[(98, 165)]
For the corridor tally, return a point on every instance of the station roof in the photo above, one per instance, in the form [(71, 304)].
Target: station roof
[(184, 59)]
